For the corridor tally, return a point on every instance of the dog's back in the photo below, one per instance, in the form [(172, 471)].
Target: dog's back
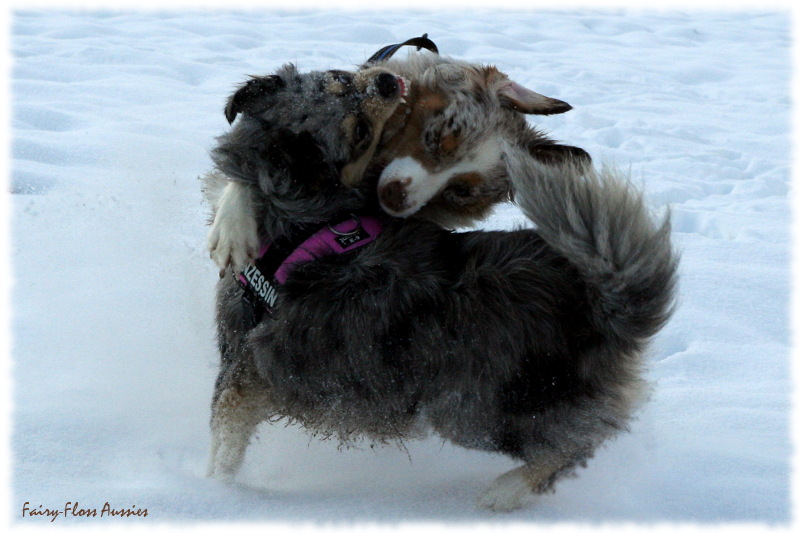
[(499, 341)]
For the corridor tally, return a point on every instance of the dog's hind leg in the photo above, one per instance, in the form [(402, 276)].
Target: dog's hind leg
[(551, 451), (236, 411), (516, 488)]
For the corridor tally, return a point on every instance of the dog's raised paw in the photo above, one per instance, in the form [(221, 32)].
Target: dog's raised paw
[(233, 239)]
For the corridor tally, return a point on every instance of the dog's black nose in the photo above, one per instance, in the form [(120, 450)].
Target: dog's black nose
[(386, 84), (393, 196)]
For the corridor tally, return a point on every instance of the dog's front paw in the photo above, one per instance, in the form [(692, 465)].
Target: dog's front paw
[(233, 240)]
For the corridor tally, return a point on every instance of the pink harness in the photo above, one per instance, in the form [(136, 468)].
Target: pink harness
[(260, 280)]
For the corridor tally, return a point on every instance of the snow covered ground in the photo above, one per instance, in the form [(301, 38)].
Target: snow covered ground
[(112, 333)]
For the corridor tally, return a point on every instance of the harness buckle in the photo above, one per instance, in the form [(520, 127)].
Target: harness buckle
[(347, 233)]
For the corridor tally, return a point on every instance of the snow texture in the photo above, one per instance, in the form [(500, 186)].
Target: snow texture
[(113, 352)]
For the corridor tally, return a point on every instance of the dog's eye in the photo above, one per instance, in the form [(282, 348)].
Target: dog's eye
[(460, 190), (345, 78), (431, 140), (361, 131)]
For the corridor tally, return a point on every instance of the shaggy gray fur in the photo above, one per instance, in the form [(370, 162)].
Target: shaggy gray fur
[(600, 223)]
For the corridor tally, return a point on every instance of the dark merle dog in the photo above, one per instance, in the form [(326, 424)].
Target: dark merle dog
[(527, 343)]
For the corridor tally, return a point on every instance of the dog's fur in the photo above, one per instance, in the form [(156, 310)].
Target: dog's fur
[(527, 343), (438, 157)]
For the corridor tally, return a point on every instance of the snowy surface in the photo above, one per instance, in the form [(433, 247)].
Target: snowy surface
[(113, 346)]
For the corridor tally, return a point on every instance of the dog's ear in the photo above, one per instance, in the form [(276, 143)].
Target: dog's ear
[(249, 97), (514, 96)]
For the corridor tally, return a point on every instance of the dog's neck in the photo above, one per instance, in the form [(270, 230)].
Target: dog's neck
[(396, 122), (288, 216)]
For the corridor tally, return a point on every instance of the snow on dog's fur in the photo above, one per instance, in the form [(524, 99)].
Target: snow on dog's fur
[(527, 343)]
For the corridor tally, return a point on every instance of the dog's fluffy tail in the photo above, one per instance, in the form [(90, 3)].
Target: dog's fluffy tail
[(599, 221)]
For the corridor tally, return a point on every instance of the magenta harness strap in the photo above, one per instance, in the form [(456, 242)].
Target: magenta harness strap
[(276, 260)]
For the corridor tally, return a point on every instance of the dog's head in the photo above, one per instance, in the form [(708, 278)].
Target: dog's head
[(448, 152), (306, 135)]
